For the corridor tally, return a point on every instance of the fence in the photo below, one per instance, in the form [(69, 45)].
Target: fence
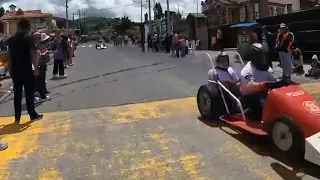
[(305, 26)]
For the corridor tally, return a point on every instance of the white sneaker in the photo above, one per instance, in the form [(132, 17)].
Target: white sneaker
[(36, 99), (47, 98), (63, 76)]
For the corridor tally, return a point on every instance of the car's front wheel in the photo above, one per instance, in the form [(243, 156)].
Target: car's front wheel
[(287, 137)]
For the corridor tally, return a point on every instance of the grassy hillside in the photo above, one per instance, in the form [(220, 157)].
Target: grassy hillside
[(94, 25)]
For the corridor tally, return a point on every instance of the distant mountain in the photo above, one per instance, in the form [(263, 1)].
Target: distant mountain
[(92, 24), (61, 22)]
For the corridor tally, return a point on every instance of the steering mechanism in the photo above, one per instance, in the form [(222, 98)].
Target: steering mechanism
[(278, 84)]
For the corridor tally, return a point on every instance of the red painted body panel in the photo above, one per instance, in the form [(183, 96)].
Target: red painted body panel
[(253, 126), (296, 103), (292, 101)]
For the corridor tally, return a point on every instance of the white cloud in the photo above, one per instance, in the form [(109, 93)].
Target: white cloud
[(106, 8)]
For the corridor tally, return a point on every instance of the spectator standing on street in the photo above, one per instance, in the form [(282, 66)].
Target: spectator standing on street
[(22, 55), (175, 45), (60, 55), (43, 53), (182, 43), (284, 43), (126, 40)]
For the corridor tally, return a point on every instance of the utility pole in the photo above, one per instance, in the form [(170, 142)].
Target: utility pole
[(196, 20), (67, 17), (168, 18), (84, 22), (79, 22), (73, 23), (149, 2), (142, 30)]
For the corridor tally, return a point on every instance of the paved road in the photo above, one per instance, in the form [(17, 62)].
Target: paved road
[(152, 133)]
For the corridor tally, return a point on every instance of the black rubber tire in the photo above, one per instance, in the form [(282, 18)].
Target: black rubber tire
[(296, 151), (217, 106)]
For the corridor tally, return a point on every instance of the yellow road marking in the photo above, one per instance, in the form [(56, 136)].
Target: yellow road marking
[(190, 164), (49, 174), (150, 110), (23, 139), (145, 164)]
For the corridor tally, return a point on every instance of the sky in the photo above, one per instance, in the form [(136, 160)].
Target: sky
[(105, 8)]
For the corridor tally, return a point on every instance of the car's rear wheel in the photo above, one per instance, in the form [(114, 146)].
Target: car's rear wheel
[(287, 137), (209, 101)]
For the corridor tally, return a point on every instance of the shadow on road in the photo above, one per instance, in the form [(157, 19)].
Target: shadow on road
[(14, 128), (262, 146)]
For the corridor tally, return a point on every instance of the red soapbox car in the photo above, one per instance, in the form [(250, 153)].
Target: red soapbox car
[(291, 114)]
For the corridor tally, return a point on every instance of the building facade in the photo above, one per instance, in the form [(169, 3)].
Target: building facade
[(42, 22), (224, 12)]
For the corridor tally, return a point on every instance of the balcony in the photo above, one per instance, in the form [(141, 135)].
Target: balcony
[(204, 6)]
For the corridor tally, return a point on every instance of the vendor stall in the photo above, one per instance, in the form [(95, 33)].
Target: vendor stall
[(245, 31)]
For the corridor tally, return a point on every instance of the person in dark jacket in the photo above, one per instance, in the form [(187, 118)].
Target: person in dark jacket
[(61, 54), (22, 59)]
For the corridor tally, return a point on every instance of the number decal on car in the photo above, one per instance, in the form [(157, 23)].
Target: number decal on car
[(312, 107), (295, 94)]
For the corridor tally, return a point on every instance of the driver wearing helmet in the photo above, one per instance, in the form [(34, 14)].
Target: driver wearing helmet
[(227, 76), (225, 73), (256, 78)]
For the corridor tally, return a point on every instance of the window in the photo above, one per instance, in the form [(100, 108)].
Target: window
[(242, 14), (276, 10), (256, 11), (282, 10), (271, 11)]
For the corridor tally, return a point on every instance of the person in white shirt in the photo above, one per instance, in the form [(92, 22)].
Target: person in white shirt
[(227, 76), (225, 73)]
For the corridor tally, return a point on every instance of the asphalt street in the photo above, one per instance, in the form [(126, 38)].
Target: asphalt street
[(125, 114)]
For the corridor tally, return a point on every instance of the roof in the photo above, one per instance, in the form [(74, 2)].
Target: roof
[(229, 2), (225, 2), (245, 25), (23, 14), (197, 15)]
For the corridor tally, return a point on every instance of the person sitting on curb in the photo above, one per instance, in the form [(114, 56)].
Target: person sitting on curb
[(297, 61), (315, 68)]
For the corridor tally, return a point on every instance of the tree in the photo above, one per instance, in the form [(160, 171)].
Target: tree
[(179, 15), (2, 11), (158, 12), (124, 24)]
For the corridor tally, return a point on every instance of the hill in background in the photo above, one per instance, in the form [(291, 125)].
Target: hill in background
[(89, 24)]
